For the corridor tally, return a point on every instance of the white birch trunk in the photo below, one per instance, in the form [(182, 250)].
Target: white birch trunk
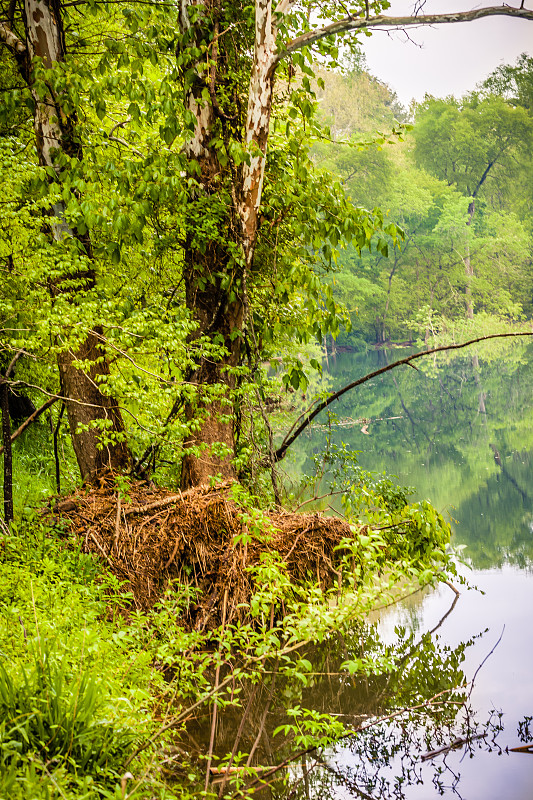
[(257, 125), (260, 96), (44, 41)]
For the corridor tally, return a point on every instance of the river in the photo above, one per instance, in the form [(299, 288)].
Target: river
[(459, 430)]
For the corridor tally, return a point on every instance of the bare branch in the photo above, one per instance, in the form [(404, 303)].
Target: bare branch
[(308, 416), (12, 363), (125, 144), (120, 124), (347, 24), (27, 422)]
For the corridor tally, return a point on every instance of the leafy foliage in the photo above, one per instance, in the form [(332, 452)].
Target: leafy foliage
[(57, 719), (132, 233)]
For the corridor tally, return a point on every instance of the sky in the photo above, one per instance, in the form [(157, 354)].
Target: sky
[(444, 59)]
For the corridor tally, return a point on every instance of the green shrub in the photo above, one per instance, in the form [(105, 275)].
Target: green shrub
[(54, 715)]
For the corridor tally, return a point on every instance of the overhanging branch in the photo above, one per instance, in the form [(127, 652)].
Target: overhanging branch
[(308, 416), (347, 24)]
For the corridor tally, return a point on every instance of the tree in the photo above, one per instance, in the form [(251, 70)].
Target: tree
[(514, 83), (275, 34), (237, 165), (467, 143), (39, 54)]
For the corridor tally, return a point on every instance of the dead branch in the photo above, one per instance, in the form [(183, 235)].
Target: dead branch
[(349, 23), (308, 416), (485, 660), (459, 742), (27, 422), (175, 498)]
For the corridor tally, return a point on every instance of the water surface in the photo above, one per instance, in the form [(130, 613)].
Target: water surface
[(460, 431)]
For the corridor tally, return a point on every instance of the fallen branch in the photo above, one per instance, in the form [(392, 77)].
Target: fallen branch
[(238, 770), (308, 416), (27, 422), (525, 748), (100, 548), (459, 742), (175, 498)]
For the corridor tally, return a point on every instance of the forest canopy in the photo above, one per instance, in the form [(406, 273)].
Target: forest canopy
[(185, 202)]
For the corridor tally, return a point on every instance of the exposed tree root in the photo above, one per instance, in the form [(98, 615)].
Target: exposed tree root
[(200, 538)]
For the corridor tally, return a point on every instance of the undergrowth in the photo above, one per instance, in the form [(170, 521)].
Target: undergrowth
[(100, 700), (75, 690)]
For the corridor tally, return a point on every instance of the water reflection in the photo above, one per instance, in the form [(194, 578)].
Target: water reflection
[(458, 431), (447, 713), (394, 760), (461, 433), (417, 702)]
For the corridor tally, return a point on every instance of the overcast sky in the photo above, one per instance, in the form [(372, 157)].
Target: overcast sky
[(444, 59)]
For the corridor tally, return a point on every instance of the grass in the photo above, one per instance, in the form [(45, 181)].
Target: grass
[(76, 677), (34, 470)]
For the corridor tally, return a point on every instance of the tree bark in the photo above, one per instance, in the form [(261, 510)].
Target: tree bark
[(97, 449), (55, 133), (213, 298), (8, 456), (210, 411), (260, 96)]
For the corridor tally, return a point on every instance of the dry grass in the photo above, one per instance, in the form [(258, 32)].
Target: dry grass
[(200, 537)]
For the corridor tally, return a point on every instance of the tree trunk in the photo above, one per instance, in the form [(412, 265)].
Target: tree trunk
[(211, 411), (213, 284), (87, 406), (258, 124), (326, 354), (482, 396), (55, 134), (8, 457), (222, 313), (469, 270)]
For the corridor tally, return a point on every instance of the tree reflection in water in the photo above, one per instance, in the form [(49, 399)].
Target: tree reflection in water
[(390, 759), (415, 703), (476, 459)]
